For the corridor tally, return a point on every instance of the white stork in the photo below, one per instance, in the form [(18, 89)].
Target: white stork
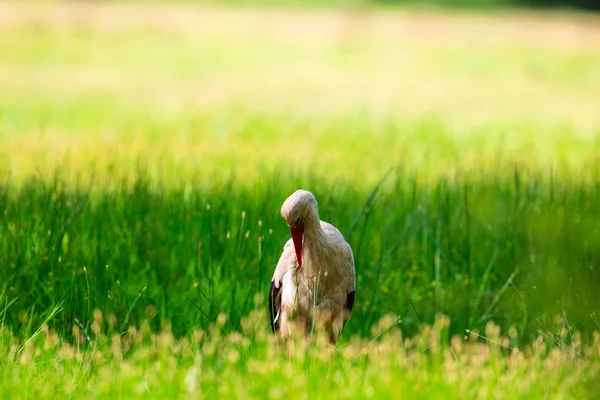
[(314, 280)]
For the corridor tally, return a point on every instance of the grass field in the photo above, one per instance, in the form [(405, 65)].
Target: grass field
[(145, 152)]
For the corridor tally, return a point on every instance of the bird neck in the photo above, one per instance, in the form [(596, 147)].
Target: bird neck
[(313, 232), (315, 241)]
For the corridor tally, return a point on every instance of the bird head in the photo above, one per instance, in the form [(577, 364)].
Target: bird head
[(295, 210)]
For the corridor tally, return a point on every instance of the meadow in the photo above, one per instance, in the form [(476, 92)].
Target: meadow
[(145, 151)]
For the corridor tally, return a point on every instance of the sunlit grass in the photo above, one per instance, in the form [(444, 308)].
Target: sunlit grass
[(250, 363)]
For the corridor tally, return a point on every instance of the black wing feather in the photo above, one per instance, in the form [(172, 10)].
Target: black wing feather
[(348, 306), (274, 305)]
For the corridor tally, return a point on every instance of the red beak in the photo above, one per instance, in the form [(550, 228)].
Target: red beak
[(297, 234)]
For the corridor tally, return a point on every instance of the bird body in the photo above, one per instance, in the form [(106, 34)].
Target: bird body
[(314, 280)]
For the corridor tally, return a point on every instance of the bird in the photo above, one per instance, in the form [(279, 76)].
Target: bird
[(314, 282)]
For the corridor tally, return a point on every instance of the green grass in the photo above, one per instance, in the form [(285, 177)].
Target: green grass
[(209, 364), (453, 248), (144, 161)]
